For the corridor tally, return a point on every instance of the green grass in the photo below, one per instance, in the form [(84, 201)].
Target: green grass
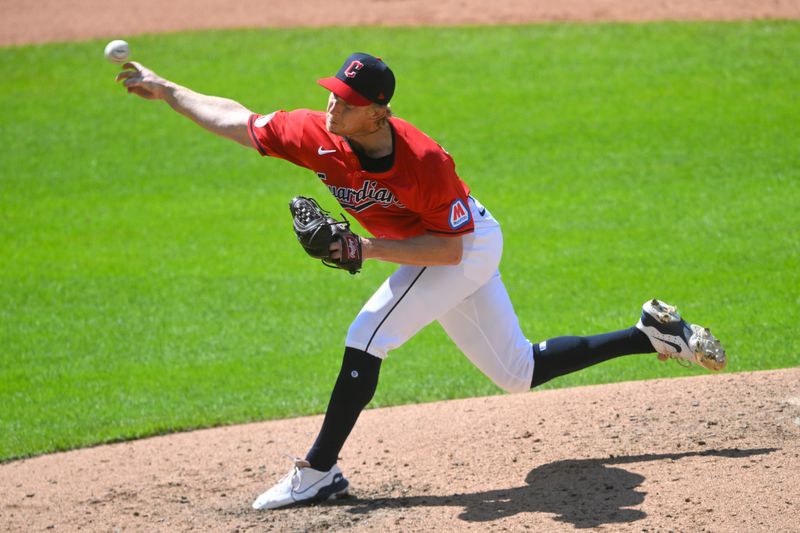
[(150, 280)]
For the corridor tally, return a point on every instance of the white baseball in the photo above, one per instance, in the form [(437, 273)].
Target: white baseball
[(117, 51)]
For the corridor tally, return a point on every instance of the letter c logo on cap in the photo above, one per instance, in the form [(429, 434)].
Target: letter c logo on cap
[(353, 69)]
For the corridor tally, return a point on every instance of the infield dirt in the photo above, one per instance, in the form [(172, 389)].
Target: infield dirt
[(23, 21), (709, 453)]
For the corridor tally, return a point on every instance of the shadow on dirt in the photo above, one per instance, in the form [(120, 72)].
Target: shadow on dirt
[(586, 493)]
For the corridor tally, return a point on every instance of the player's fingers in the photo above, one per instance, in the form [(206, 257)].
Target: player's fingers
[(662, 357), (133, 65), (130, 82), (335, 250), (125, 74), (132, 68)]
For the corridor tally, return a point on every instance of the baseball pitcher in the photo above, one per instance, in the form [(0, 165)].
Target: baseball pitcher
[(404, 190)]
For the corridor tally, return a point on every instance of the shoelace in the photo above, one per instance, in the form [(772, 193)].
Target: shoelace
[(305, 212), (680, 360), (294, 473)]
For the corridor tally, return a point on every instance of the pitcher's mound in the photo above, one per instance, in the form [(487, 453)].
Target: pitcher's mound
[(713, 453)]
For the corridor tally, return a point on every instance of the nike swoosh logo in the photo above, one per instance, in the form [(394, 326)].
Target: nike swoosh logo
[(322, 151), (665, 341)]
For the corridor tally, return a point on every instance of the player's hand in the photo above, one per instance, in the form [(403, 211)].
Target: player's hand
[(336, 250), (142, 81)]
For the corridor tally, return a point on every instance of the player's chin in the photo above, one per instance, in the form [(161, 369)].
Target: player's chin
[(336, 128)]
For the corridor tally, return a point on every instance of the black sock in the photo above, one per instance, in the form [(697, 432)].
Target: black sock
[(355, 386), (563, 355)]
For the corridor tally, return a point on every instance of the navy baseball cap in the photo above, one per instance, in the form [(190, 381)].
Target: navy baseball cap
[(362, 80)]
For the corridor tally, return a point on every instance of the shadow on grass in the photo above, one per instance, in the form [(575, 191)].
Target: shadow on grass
[(586, 493)]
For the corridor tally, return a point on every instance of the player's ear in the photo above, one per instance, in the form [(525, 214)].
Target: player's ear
[(378, 112)]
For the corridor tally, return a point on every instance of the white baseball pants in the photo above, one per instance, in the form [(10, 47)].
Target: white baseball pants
[(469, 300)]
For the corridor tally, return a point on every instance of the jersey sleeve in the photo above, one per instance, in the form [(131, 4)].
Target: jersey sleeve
[(279, 134), (443, 200)]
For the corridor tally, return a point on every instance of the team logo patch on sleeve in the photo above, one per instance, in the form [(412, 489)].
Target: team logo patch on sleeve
[(459, 214)]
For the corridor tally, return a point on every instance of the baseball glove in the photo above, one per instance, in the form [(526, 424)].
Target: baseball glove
[(316, 230)]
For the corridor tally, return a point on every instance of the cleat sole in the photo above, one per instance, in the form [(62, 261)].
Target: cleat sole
[(708, 350), (664, 313)]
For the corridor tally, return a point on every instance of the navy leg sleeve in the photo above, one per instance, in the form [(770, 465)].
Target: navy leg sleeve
[(564, 355), (355, 386)]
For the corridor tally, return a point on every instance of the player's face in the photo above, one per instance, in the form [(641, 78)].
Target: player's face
[(346, 119)]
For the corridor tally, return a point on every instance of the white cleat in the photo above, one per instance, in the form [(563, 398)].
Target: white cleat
[(671, 336), (303, 484)]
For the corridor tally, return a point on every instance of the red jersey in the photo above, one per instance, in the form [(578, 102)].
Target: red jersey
[(420, 194)]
